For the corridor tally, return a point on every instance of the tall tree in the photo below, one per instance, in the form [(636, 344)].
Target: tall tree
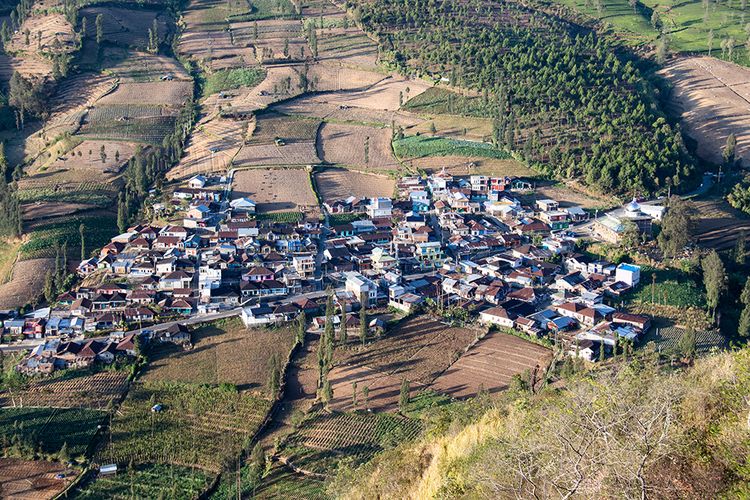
[(98, 23), (714, 279), (403, 397), (729, 151), (677, 227)]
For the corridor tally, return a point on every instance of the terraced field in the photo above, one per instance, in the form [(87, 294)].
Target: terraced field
[(89, 391)]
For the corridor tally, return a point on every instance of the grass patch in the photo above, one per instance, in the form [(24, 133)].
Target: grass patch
[(284, 217), (338, 219), (49, 429), (440, 101), (671, 288), (198, 425), (419, 146), (8, 251), (148, 481), (228, 79), (43, 240)]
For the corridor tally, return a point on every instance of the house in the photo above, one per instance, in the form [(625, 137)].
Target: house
[(304, 265), (407, 302), (197, 182), (497, 316), (243, 204), (359, 286), (176, 333), (380, 207), (429, 255), (630, 274)]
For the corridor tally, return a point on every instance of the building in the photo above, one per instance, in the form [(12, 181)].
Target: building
[(380, 207), (304, 265), (629, 274), (359, 286), (613, 225), (429, 255), (243, 205)]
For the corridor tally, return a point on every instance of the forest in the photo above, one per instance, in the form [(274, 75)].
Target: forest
[(568, 101)]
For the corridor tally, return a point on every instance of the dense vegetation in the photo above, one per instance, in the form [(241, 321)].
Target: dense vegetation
[(636, 430), (563, 98), (228, 79)]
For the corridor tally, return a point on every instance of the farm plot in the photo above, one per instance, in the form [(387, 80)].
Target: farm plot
[(224, 352), (419, 146), (491, 364), (173, 93), (273, 40), (57, 35), (28, 66), (387, 94), (281, 482), (338, 183), (131, 66), (347, 47), (152, 129), (272, 126), (33, 480), (297, 153), (147, 481), (356, 146), (276, 189), (317, 106), (418, 350), (128, 27), (198, 425), (26, 283), (323, 439), (83, 391), (51, 428), (215, 141), (667, 339), (84, 161), (718, 224), (713, 99), (64, 231)]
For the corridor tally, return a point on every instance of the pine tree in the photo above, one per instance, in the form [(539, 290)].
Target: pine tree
[(363, 323), (714, 280), (403, 397), (82, 234), (99, 29), (740, 248)]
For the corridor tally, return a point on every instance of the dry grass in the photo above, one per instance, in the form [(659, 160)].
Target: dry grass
[(57, 35), (223, 352), (276, 189), (457, 127), (337, 184), (712, 97), (470, 165)]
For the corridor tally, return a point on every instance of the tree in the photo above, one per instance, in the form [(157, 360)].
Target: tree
[(677, 227), (103, 154), (84, 26), (343, 334), (327, 392), (273, 374), (301, 327), (631, 236), (49, 287), (655, 21), (363, 323), (99, 29), (714, 280), (633, 5), (729, 150), (403, 397), (740, 248), (366, 396), (354, 394), (686, 347), (743, 328)]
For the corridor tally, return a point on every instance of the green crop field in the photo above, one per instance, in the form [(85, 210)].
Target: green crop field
[(228, 79), (43, 240), (671, 288), (147, 481), (150, 129), (49, 428), (438, 100), (204, 426), (419, 146)]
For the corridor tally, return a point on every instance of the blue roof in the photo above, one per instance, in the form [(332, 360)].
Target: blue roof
[(630, 267)]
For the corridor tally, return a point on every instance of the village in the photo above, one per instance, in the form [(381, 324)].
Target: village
[(464, 248)]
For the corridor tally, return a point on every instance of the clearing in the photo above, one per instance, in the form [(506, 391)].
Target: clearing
[(491, 365), (223, 352), (338, 184), (276, 189)]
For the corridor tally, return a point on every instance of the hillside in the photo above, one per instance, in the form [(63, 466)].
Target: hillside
[(628, 431)]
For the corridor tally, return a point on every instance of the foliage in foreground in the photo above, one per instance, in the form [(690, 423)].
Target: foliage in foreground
[(622, 432)]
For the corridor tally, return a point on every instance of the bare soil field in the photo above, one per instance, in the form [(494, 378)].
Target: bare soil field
[(490, 365), (276, 189), (85, 391), (26, 283), (296, 153), (569, 194), (45, 210), (347, 47), (149, 93), (713, 99), (29, 66), (418, 350), (57, 35), (83, 163), (213, 144), (387, 94), (224, 352), (33, 480), (338, 183), (327, 107), (132, 66), (470, 165), (356, 145), (457, 127), (718, 225), (277, 40), (124, 26)]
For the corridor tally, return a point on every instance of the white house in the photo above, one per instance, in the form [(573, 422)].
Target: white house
[(197, 182), (380, 207), (628, 273), (496, 316), (358, 285), (243, 204)]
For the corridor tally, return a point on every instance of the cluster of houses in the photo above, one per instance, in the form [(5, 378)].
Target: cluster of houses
[(446, 241)]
